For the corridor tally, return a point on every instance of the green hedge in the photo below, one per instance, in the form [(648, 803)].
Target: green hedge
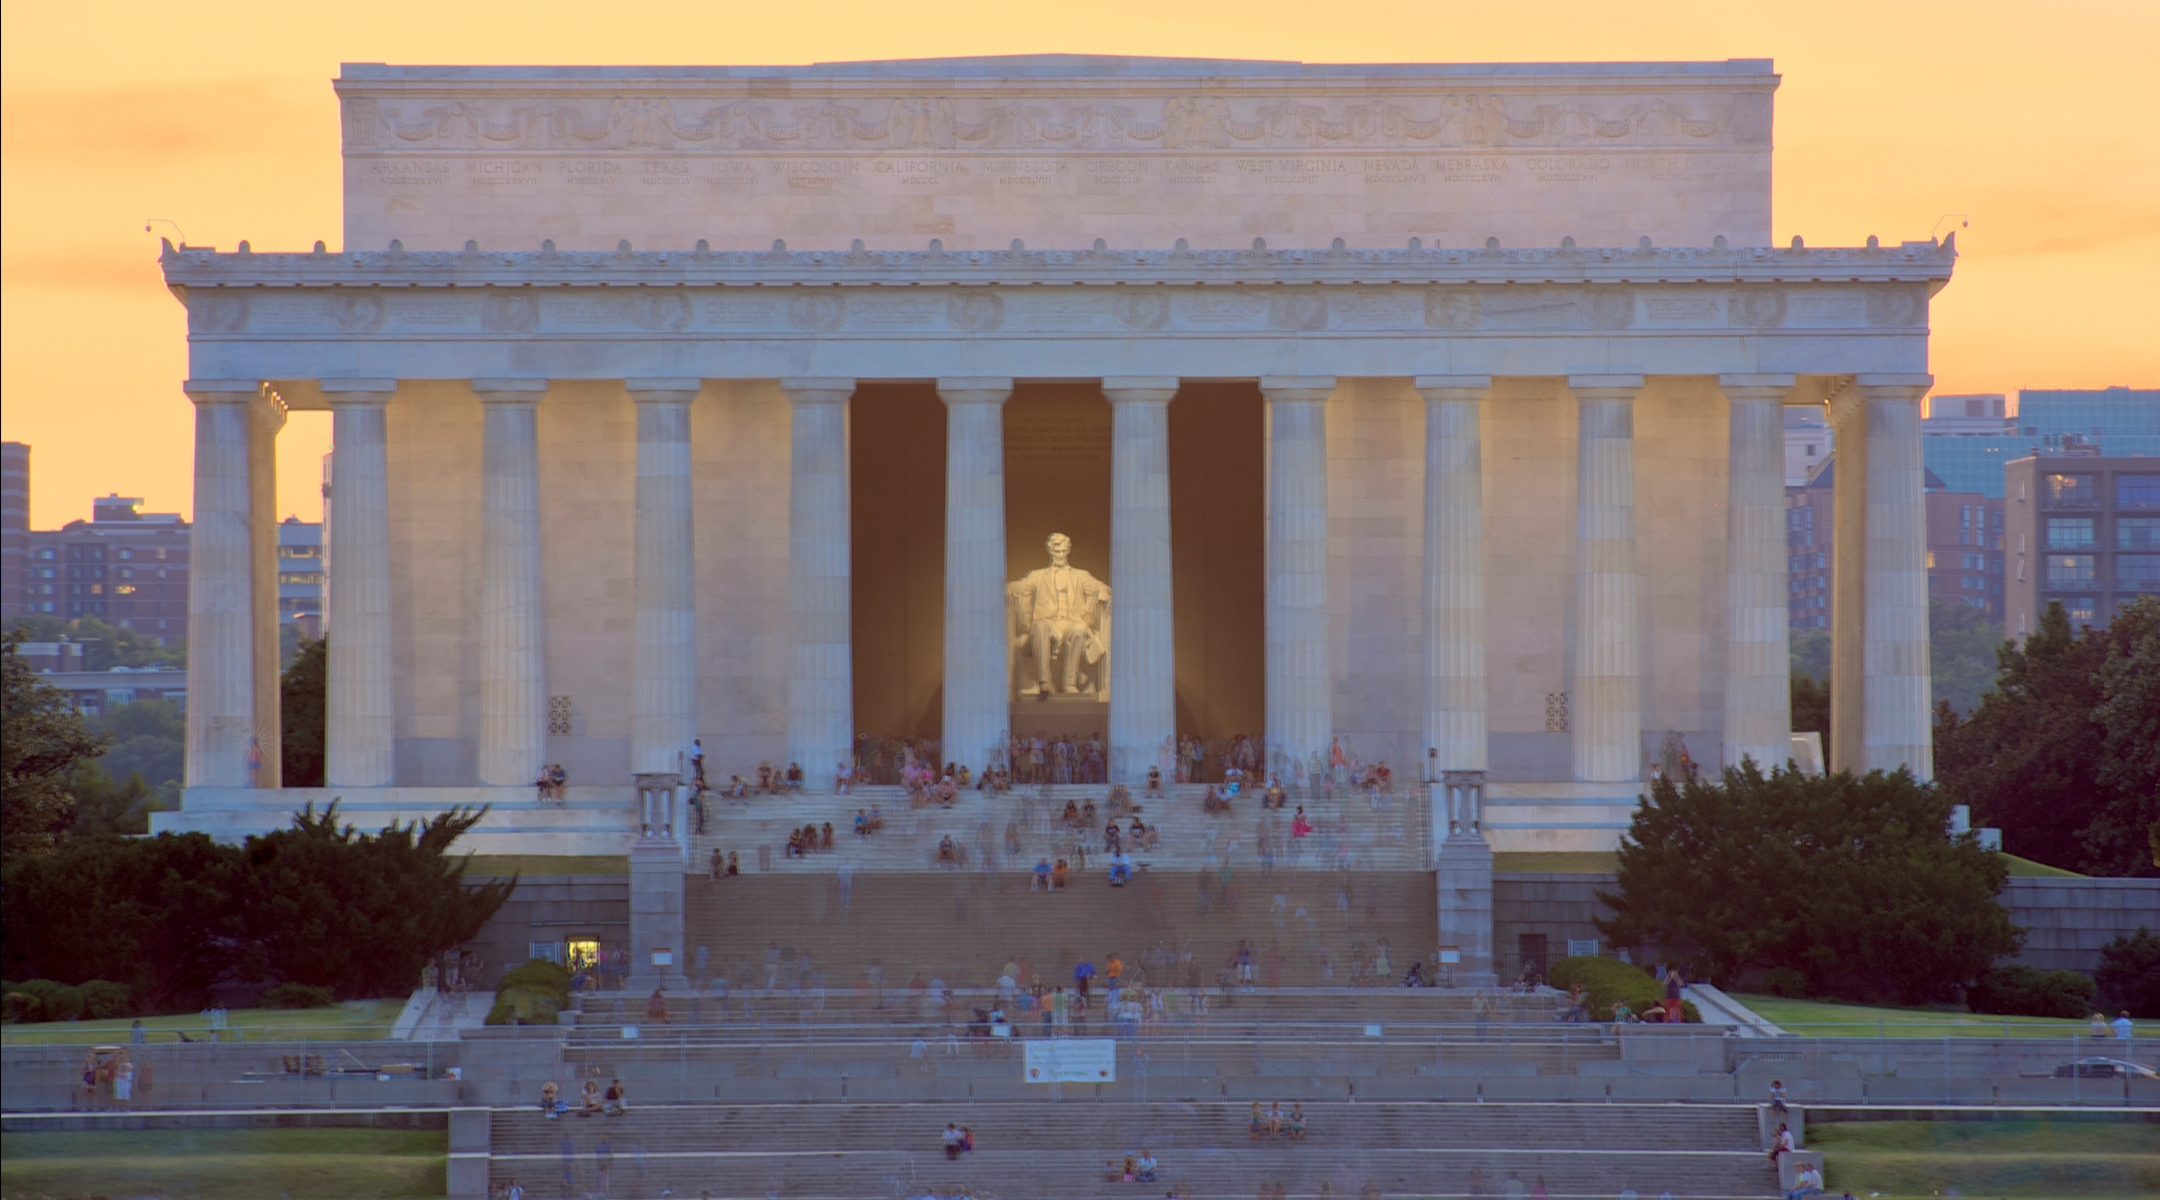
[(1608, 980), (533, 994), (102, 999), (43, 1000), (2022, 991)]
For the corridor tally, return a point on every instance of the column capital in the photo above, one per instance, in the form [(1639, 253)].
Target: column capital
[(663, 391), (509, 391), (1605, 387), (1453, 387), (1297, 389), (975, 390), (1894, 386), (1140, 389), (222, 391), (338, 392), (818, 390), (1757, 387)]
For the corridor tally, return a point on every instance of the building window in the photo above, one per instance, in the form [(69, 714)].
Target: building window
[(2070, 533), (2138, 570), (2137, 533), (2078, 608), (2137, 491), (1931, 560), (2069, 570), (123, 589), (2072, 491)]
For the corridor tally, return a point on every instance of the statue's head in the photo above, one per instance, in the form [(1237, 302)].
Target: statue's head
[(1060, 549)]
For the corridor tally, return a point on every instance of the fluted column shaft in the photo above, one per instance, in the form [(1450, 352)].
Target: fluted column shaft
[(977, 678), (1300, 688), (664, 707), (1607, 686), (1897, 729), (1758, 666), (1454, 571), (821, 678), (1143, 651), (359, 713), (513, 660), (222, 601)]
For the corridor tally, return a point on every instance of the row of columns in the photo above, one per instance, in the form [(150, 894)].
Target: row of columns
[(1880, 628)]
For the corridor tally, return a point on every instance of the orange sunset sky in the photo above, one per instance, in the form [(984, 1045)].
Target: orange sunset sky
[(2037, 122)]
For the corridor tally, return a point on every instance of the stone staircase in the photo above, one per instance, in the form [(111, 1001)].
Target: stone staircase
[(1363, 833), (1053, 1150)]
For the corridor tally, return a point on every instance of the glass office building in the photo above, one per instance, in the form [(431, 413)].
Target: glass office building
[(2118, 422)]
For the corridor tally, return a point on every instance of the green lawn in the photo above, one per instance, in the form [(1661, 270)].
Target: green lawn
[(2028, 869), (352, 1021), (549, 864), (1827, 1018), (239, 1164), (2010, 1160)]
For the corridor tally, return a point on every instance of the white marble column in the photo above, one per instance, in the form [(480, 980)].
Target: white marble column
[(1758, 667), (266, 419), (1897, 729), (821, 676), (1300, 687), (1606, 705), (664, 707), (513, 658), (359, 711), (978, 702), (221, 586), (1143, 651), (1454, 571)]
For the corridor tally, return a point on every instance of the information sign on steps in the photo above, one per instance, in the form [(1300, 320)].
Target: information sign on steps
[(1070, 1060)]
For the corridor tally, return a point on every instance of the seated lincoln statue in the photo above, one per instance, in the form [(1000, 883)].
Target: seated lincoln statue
[(1062, 614)]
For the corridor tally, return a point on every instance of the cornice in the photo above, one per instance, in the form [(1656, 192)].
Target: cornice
[(1416, 265)]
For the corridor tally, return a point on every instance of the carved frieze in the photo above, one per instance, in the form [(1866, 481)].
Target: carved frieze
[(1756, 308), (1196, 121)]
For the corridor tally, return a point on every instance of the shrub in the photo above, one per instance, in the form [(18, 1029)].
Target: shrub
[(1787, 982), (102, 999), (298, 995), (16, 1008), (2129, 973), (532, 994), (50, 1001), (2022, 991), (1609, 979)]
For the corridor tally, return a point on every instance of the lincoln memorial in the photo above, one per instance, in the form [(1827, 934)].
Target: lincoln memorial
[(1426, 413)]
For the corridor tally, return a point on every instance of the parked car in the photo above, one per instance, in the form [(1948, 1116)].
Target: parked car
[(2105, 1068)]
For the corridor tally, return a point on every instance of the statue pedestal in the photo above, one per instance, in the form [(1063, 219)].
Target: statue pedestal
[(1075, 716)]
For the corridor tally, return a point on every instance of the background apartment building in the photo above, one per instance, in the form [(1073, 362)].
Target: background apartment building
[(2084, 531)]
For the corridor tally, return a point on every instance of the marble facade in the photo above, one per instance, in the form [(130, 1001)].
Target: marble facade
[(595, 336)]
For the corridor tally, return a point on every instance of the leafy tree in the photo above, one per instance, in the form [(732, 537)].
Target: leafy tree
[(155, 914), (1962, 645), (361, 913), (302, 694), (316, 904), (1852, 882), (103, 804), (104, 646), (2061, 755), (149, 738), (1811, 708), (43, 738), (1809, 651), (2129, 973)]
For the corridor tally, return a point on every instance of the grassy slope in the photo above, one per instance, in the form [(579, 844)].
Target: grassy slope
[(2028, 869), (1825, 1018), (240, 1164), (352, 1021), (1559, 862), (2006, 1159)]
